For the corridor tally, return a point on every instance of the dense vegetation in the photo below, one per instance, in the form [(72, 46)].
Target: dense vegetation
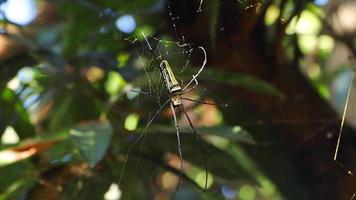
[(69, 118)]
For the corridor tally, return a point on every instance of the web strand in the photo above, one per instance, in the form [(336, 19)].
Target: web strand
[(343, 117)]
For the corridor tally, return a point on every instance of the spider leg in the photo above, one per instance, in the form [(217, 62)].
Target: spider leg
[(141, 92), (200, 145), (200, 70), (179, 146), (142, 135), (151, 120), (203, 102), (190, 89)]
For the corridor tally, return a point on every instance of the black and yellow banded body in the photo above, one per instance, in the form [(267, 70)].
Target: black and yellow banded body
[(171, 83), (170, 80)]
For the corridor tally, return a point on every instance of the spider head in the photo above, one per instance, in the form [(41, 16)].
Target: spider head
[(176, 100)]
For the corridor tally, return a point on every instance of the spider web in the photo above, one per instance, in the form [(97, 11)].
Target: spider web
[(156, 85), (178, 52)]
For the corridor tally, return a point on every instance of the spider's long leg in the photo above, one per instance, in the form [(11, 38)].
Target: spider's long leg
[(200, 145), (203, 102), (179, 145), (200, 70), (141, 92), (187, 90), (142, 135), (152, 119)]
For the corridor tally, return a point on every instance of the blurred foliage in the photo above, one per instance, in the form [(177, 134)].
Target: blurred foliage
[(68, 99)]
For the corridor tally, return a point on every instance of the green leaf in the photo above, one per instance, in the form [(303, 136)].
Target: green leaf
[(16, 180), (115, 84), (38, 143), (71, 107), (92, 139), (13, 113)]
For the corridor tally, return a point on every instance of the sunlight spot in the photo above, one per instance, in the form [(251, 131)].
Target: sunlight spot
[(307, 43), (168, 180), (321, 2), (144, 30), (267, 188), (115, 83), (308, 23), (9, 136), (126, 23), (323, 91), (114, 192), (13, 84), (228, 192), (345, 22), (131, 122), (326, 43), (313, 70), (218, 141), (10, 156), (200, 179), (290, 30), (236, 129), (21, 12), (122, 59), (272, 14), (247, 192), (94, 74), (26, 75)]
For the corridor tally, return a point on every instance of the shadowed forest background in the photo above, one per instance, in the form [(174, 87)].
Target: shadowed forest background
[(79, 85)]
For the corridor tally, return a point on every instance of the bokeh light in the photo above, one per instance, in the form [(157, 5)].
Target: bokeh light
[(200, 179), (345, 20), (131, 122), (308, 23), (228, 192), (21, 12), (247, 192), (307, 43), (9, 136), (126, 23), (115, 84), (94, 74), (272, 14), (168, 181), (321, 2), (114, 192), (326, 43), (26, 75)]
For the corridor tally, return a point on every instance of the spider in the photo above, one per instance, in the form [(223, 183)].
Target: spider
[(175, 92)]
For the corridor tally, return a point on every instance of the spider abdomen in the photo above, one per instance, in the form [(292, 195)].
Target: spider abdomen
[(170, 80)]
